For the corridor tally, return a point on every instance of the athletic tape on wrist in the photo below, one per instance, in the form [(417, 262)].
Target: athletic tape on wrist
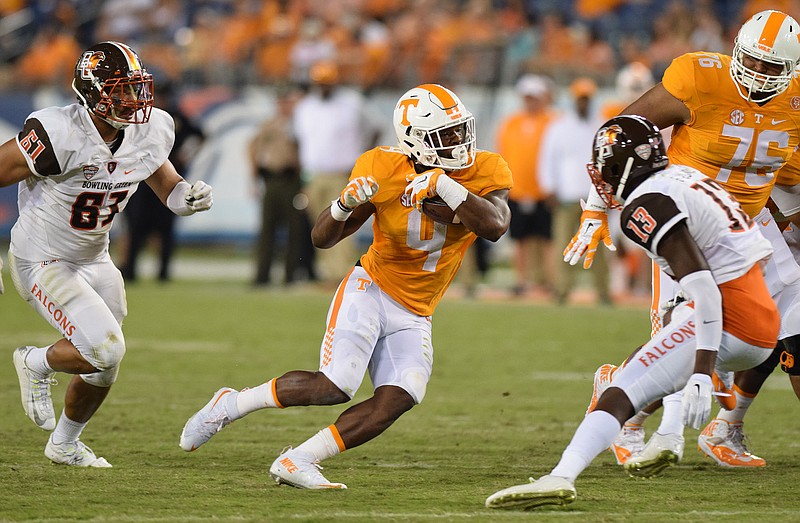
[(339, 212)]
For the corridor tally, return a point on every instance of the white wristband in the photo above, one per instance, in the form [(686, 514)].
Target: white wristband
[(338, 211), (594, 202), (176, 201), (452, 192)]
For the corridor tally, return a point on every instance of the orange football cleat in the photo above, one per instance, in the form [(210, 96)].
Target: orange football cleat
[(724, 442)]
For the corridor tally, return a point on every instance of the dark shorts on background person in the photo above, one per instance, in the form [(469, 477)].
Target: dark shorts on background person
[(533, 220)]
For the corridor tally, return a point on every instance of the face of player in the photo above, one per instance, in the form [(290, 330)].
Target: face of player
[(450, 138), (128, 98), (762, 67)]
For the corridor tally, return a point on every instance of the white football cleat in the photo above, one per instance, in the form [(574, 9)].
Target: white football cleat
[(34, 390), (629, 442), (75, 454), (724, 442), (660, 453), (547, 490), (300, 469), (212, 418)]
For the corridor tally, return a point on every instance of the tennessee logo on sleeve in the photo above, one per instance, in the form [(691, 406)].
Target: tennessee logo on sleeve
[(35, 142)]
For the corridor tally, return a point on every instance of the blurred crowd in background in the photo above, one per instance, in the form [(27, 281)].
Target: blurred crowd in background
[(377, 43)]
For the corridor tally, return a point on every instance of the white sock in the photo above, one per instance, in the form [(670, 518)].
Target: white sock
[(672, 417), (743, 402), (638, 419), (66, 430), (36, 360), (324, 444), (595, 433), (261, 397)]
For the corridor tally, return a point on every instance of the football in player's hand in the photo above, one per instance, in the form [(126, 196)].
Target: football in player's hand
[(437, 210)]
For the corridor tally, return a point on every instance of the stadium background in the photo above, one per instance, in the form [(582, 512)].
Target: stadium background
[(225, 58), (511, 379)]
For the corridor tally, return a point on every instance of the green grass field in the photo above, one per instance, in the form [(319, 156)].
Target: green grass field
[(510, 384)]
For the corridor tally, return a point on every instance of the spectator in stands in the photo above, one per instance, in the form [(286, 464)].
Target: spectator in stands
[(333, 126), (519, 140), (49, 60), (276, 173)]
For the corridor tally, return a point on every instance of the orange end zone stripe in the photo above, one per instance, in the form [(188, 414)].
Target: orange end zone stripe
[(441, 94), (337, 437), (771, 29)]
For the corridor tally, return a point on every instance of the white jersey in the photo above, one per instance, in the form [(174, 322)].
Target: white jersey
[(66, 209), (725, 234)]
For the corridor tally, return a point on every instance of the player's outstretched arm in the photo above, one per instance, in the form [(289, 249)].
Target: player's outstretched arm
[(346, 214), (660, 107), (177, 194), (592, 231)]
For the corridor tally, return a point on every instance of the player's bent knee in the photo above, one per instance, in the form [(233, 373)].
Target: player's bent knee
[(103, 378), (109, 353), (415, 382)]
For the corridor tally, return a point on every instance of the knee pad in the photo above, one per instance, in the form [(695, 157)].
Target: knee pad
[(108, 353), (106, 358), (767, 366), (104, 378), (790, 355), (415, 382)]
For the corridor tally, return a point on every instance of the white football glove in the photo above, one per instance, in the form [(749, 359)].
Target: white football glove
[(360, 190), (422, 185), (199, 197), (697, 400), (594, 229)]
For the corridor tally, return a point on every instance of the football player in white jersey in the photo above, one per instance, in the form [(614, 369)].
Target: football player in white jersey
[(76, 167), (701, 237)]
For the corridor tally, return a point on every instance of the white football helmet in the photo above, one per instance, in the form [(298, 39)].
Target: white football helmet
[(772, 37), (633, 81), (434, 128)]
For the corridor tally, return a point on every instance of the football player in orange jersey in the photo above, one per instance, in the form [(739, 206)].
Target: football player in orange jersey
[(737, 120), (380, 318)]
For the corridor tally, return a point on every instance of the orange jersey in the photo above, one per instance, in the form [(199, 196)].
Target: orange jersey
[(738, 143), (789, 174), (519, 142), (412, 258)]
